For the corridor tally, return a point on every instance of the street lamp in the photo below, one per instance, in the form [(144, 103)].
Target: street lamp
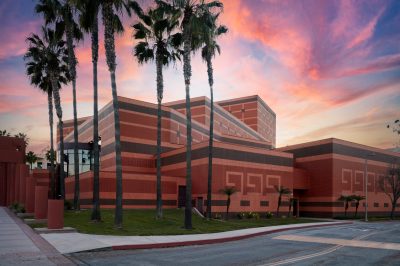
[(366, 184)]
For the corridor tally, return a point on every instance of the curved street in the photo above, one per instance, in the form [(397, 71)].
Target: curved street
[(376, 243)]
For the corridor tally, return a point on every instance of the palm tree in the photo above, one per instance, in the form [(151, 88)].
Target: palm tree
[(5, 133), (282, 191), (228, 191), (88, 20), (346, 200), (47, 68), (37, 79), (24, 137), (158, 41), (112, 24), (196, 15), (31, 158), (357, 199), (209, 50), (60, 13)]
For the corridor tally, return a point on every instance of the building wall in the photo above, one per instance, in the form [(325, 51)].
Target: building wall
[(336, 168), (255, 113), (225, 123), (253, 172), (12, 170)]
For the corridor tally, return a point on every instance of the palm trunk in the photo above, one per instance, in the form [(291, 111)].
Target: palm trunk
[(345, 209), (160, 90), (57, 103), (211, 136), (96, 166), (279, 205), (392, 211), (228, 203), (290, 208), (187, 72), (72, 71), (108, 17), (355, 214), (52, 180)]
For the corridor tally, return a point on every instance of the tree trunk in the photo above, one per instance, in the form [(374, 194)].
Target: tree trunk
[(279, 205), (345, 209), (228, 203), (392, 211), (57, 103), (187, 72), (52, 175), (357, 204), (160, 90), (290, 207), (96, 216), (72, 71), (211, 136), (108, 18)]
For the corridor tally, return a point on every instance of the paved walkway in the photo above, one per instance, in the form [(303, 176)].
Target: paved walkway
[(76, 242), (19, 245)]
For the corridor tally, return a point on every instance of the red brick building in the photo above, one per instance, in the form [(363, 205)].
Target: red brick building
[(244, 156)]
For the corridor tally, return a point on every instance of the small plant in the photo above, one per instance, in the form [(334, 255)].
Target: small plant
[(252, 215), (67, 205), (218, 216), (269, 215), (241, 215), (17, 208)]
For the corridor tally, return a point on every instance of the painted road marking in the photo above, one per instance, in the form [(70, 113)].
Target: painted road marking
[(342, 242), (313, 255)]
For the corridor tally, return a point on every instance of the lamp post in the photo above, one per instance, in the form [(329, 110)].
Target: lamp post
[(366, 184)]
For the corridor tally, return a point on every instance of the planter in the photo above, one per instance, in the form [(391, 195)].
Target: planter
[(55, 214), (41, 193)]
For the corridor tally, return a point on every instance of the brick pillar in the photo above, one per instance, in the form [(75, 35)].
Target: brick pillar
[(30, 194), (41, 202)]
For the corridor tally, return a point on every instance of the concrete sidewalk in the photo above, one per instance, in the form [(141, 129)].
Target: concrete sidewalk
[(76, 242), (20, 245)]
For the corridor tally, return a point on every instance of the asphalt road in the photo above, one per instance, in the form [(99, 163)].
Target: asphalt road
[(308, 247)]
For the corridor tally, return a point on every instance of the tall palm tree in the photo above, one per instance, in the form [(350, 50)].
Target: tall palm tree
[(60, 13), (228, 191), (209, 50), (196, 14), (31, 158), (346, 200), (159, 41), (282, 191), (47, 67), (357, 199), (111, 21), (35, 73), (89, 22)]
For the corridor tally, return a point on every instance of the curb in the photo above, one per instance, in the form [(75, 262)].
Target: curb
[(217, 240)]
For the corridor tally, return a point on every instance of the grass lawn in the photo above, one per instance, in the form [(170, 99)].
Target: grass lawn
[(143, 222)]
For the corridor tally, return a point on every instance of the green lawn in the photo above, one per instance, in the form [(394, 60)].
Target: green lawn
[(142, 222)]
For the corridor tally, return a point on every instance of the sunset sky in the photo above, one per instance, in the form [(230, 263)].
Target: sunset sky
[(327, 68)]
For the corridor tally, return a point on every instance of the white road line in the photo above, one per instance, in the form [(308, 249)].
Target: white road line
[(342, 242), (310, 256)]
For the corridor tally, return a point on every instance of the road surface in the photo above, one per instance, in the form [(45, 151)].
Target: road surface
[(361, 243)]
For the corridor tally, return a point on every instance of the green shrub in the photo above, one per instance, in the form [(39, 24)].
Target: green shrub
[(269, 215), (67, 205), (241, 215), (17, 208), (218, 216), (252, 215)]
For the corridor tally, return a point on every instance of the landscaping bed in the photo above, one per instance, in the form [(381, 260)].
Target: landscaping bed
[(143, 222)]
